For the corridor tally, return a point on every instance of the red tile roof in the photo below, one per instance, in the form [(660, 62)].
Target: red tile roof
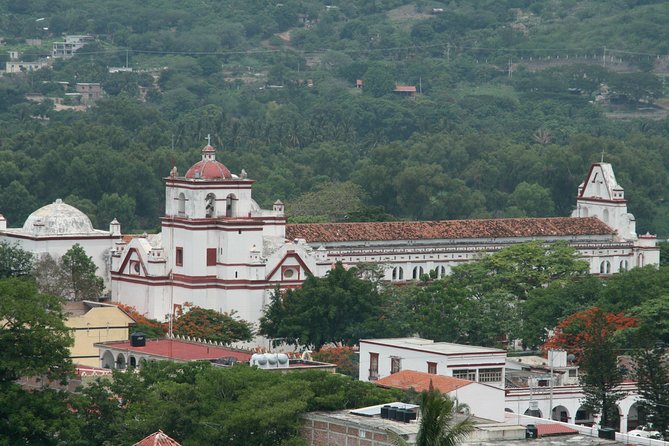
[(546, 430), (419, 381), (180, 350), (157, 439), (447, 229)]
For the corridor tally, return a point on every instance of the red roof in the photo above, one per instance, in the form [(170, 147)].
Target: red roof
[(208, 168), (180, 350), (546, 430), (405, 88), (419, 381), (447, 229), (157, 439)]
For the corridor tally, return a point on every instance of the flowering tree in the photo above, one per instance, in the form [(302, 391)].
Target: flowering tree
[(213, 326), (342, 355), (591, 336)]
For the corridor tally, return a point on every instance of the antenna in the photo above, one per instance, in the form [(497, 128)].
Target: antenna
[(602, 157)]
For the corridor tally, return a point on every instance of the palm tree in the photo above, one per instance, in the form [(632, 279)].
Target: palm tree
[(437, 426)]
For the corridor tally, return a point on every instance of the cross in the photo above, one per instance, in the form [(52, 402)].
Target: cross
[(208, 139)]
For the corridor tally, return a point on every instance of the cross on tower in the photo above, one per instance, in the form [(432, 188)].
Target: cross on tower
[(208, 139)]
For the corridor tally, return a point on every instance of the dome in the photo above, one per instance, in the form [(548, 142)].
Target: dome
[(58, 218), (208, 168)]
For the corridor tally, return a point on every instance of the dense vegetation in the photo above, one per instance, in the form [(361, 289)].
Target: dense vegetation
[(273, 83)]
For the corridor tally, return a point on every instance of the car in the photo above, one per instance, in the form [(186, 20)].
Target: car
[(645, 431)]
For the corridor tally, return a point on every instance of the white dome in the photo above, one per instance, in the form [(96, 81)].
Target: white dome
[(58, 218)]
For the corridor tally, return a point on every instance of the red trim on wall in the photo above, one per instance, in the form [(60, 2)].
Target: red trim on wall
[(490, 352), (128, 253), (283, 259), (68, 237)]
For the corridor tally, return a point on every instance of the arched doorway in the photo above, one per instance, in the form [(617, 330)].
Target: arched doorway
[(584, 417), (108, 360), (230, 205), (534, 413), (560, 413), (120, 361)]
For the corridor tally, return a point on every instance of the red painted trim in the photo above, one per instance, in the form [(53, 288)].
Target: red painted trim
[(211, 228), (215, 284), (189, 183), (468, 366), (126, 259), (218, 221), (68, 237), (601, 200), (489, 352), (283, 259)]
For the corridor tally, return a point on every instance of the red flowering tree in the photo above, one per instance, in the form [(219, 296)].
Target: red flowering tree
[(211, 325), (591, 335), (151, 328), (342, 355)]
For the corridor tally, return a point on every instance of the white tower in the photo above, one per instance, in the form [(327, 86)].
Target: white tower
[(601, 196)]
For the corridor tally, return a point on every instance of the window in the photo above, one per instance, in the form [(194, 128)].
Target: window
[(373, 366), (441, 271), (395, 365), (432, 368), (573, 373), (179, 260), (230, 205), (469, 374), (490, 375), (417, 272), (624, 264), (211, 256)]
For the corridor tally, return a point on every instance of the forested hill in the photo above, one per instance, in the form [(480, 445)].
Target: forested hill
[(515, 99)]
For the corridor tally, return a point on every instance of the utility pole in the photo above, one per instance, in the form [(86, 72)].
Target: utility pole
[(448, 52), (510, 68), (604, 57), (551, 358)]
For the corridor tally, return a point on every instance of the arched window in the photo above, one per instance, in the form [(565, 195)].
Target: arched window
[(398, 273), (442, 271), (417, 272), (584, 211), (210, 206), (182, 205), (605, 267), (230, 202), (606, 216), (624, 265), (639, 261)]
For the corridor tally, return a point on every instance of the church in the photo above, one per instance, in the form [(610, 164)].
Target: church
[(218, 249)]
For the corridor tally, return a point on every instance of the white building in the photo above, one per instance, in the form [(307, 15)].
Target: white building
[(380, 358), (56, 227), (538, 393), (218, 249), (407, 250)]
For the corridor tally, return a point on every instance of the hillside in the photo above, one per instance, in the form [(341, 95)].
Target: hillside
[(515, 99)]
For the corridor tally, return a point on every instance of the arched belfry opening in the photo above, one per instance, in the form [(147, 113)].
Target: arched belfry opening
[(230, 205), (182, 205), (210, 206)]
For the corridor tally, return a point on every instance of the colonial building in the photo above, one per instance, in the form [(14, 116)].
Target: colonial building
[(53, 229), (218, 249)]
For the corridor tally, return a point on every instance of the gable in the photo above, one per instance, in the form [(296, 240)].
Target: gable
[(290, 268)]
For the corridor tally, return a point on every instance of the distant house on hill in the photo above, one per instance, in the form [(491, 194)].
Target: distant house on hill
[(405, 90)]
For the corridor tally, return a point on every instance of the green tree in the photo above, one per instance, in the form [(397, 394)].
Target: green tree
[(337, 307), (533, 200), (14, 261), (33, 338), (212, 325), (378, 80), (438, 425), (652, 375), (115, 206), (79, 271)]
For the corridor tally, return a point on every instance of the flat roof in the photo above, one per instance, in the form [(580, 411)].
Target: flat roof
[(427, 345), (179, 350)]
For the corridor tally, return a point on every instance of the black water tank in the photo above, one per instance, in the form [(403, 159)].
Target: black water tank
[(531, 431), (392, 413), (138, 339), (384, 411), (607, 433), (410, 416)]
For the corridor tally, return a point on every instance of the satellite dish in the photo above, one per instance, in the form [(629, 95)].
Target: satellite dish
[(571, 357)]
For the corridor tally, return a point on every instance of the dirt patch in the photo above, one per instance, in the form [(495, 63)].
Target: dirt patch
[(406, 15)]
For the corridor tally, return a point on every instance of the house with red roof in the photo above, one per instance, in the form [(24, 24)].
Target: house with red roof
[(158, 439), (481, 400)]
